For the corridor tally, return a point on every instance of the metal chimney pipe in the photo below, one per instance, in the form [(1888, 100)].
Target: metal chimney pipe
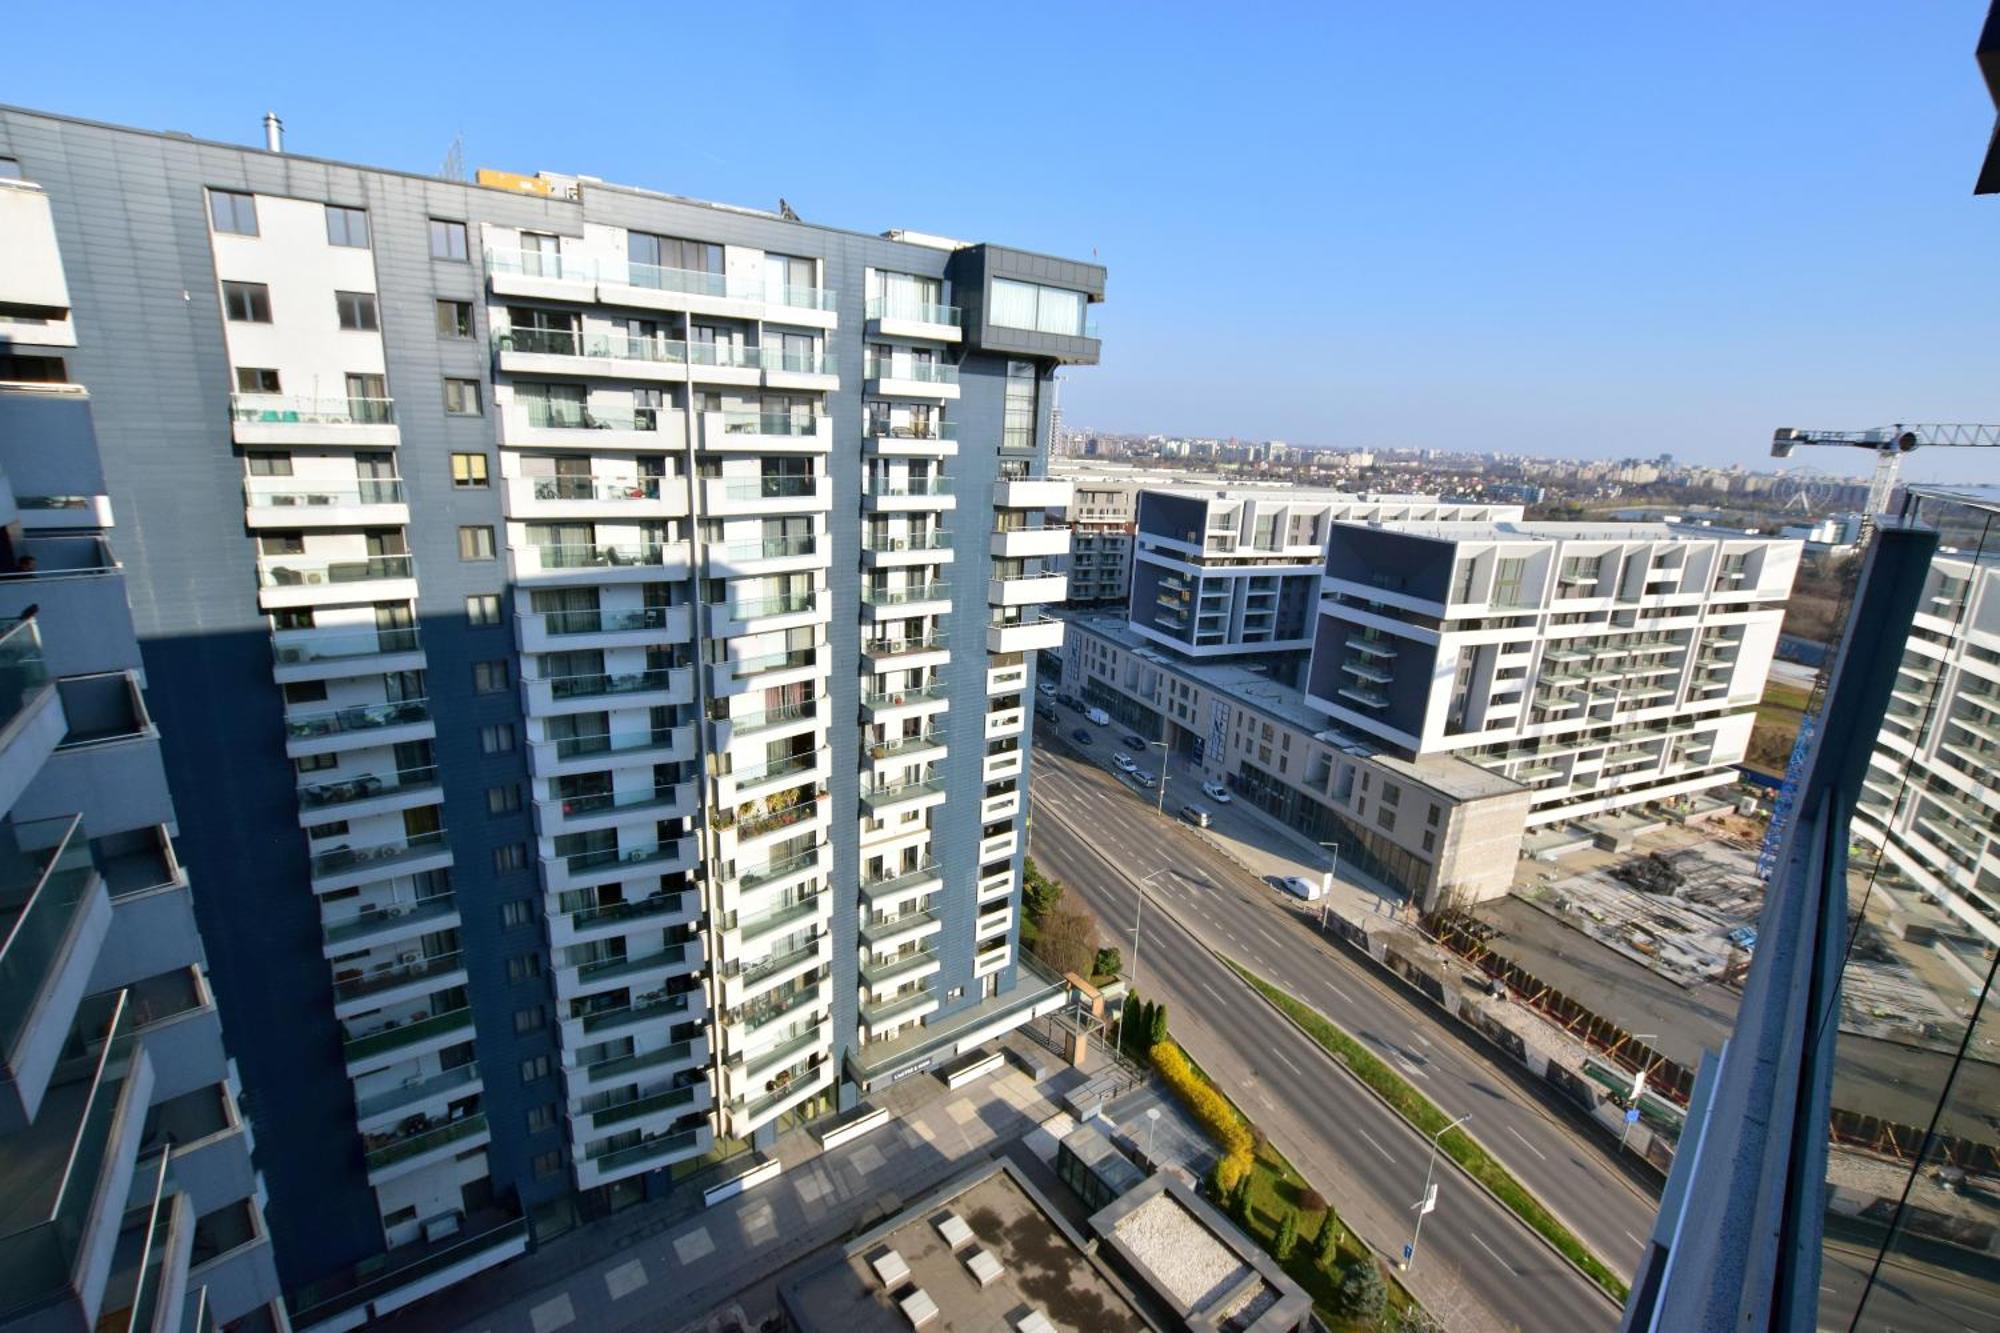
[(274, 132)]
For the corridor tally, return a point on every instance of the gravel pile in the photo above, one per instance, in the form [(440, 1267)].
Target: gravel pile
[(1188, 1261)]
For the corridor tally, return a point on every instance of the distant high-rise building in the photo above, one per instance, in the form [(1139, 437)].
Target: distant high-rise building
[(594, 633)]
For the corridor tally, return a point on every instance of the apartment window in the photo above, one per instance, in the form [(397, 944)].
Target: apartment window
[(1430, 841), (269, 465), (475, 543), (503, 800), (401, 1217), (1385, 817), (518, 912), (454, 319), (337, 829), (448, 240), (316, 763), (1025, 305), (529, 1020), (233, 213), (1431, 816), (514, 856), (483, 608), (542, 1118), (498, 738), (305, 692), (357, 311), (461, 398), (246, 302), (548, 1163), (468, 472), (489, 677), (1017, 427), (534, 1067), (1391, 794), (524, 967), (347, 226), (252, 379)]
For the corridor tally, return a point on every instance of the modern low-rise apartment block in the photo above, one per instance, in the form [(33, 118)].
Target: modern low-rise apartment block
[(130, 1199), (600, 628), (1928, 800), (1601, 666), (1220, 571)]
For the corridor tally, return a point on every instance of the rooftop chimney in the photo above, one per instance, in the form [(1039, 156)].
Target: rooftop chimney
[(274, 132)]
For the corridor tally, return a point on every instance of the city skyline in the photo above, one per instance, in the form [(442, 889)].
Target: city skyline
[(1555, 268)]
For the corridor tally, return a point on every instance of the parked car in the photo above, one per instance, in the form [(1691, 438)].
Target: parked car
[(1143, 778), (1097, 717), (1124, 761), (1081, 735), (1216, 792), (1300, 887), (1069, 701), (1047, 689), (1135, 742), (1046, 711), (1195, 815)]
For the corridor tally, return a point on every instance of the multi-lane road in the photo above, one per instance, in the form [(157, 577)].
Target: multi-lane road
[(1478, 1267)]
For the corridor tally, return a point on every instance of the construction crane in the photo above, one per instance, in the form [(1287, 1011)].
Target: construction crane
[(1889, 444)]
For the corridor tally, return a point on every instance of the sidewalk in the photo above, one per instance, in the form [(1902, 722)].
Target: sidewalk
[(658, 1266)]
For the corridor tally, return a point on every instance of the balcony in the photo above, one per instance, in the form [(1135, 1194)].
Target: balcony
[(346, 867), (32, 721), (54, 916), (805, 370), (737, 675), (302, 502), (667, 1059), (747, 1114), (610, 498), (894, 317), (767, 555), (328, 654), (899, 969), (770, 493), (902, 797), (541, 275), (749, 828), (902, 652), (885, 551), (357, 990), (754, 781), (877, 1019), (597, 690), (644, 969), (298, 580), (652, 1008), (766, 433), (692, 1096), (597, 810), (655, 911), (626, 627), (883, 438), (788, 872), (755, 615), (1033, 493), (376, 925), (1024, 634), (600, 562), (914, 599), (415, 1092), (886, 934), (552, 424), (400, 1153), (1030, 543), (358, 725), (403, 1040), (908, 494), (744, 982), (650, 1154), (1028, 590), (904, 702), (609, 355), (260, 420), (559, 756), (910, 377), (927, 745), (584, 869)]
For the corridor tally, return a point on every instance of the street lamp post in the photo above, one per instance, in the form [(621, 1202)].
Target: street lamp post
[(1132, 978), (1638, 1091), (1164, 750), (1428, 1200), (1326, 884)]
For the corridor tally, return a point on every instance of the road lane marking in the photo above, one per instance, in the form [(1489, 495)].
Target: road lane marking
[(1284, 1060), (1338, 991), (1532, 1148), (1636, 1241), (1422, 1038), (1490, 1250), (1211, 990), (1376, 1146)]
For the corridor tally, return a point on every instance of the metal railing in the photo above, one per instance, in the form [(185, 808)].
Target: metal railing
[(405, 1034), (408, 912), (303, 494), (47, 868), (364, 786), (778, 487), (770, 423), (333, 645), (919, 372), (921, 312), (298, 571), (606, 742), (359, 717), (24, 672), (551, 414), (342, 859), (591, 555), (911, 486), (602, 622), (286, 410)]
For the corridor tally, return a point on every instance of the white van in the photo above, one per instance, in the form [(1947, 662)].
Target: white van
[(1300, 887), (1098, 717)]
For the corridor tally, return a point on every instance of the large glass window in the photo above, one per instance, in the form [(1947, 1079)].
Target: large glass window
[(1017, 427), (1024, 305), (233, 213), (347, 227)]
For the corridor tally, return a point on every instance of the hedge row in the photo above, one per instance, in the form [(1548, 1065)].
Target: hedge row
[(1212, 1109)]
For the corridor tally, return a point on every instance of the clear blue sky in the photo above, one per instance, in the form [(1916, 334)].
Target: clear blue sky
[(1583, 228)]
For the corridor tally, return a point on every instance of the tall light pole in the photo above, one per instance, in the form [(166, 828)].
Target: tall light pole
[(1326, 884), (1428, 1200), (1132, 979), (1164, 750), (1638, 1091)]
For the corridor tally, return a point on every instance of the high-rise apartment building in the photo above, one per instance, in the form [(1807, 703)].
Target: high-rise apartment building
[(129, 1200), (1101, 516), (1601, 665), (594, 632)]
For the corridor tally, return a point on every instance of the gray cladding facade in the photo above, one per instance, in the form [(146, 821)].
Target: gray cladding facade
[(818, 415)]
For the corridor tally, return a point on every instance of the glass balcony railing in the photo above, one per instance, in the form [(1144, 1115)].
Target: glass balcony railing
[(909, 486), (938, 540), (770, 423), (772, 548), (797, 361), (676, 955), (902, 791), (582, 863), (744, 668), (783, 604), (299, 571), (624, 1066), (886, 886), (757, 826), (659, 904), (887, 1012), (742, 724), (902, 745), (897, 645), (750, 880), (340, 860), (410, 1094), (591, 346), (803, 298), (614, 742), (655, 277), (921, 592), (391, 978), (768, 1009), (388, 1149), (590, 555), (604, 622), (906, 694), (899, 966), (324, 646), (776, 487), (593, 684), (297, 492), (364, 786), (540, 264), (606, 489), (921, 312), (24, 674), (885, 428), (553, 414), (920, 372), (408, 1033), (45, 879), (881, 928), (643, 1010), (647, 1150), (644, 1106), (597, 802), (724, 355), (358, 717), (276, 409), (751, 774), (763, 923), (404, 914), (766, 968)]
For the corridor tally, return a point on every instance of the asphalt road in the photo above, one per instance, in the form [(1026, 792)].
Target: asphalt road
[(1098, 836)]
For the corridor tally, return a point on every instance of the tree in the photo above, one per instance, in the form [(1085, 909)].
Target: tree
[(1240, 1205), (1157, 1025), (1361, 1294), (1128, 1019), (1326, 1252), (1068, 942), (1288, 1236), (1039, 893), (1109, 963)]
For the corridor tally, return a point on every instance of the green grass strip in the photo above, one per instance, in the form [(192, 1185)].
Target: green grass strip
[(1428, 1119)]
